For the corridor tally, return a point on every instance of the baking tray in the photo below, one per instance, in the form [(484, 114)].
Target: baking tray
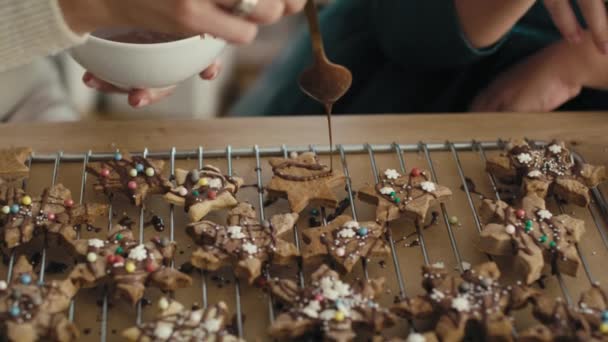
[(453, 164)]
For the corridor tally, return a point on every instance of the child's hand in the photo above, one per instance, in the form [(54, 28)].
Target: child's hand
[(142, 97), (540, 83), (595, 15)]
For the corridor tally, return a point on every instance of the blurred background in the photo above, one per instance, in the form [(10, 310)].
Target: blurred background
[(194, 98)]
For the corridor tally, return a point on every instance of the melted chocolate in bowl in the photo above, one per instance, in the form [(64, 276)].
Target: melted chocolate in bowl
[(145, 37)]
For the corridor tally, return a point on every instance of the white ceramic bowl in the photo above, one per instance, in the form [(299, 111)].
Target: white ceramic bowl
[(156, 65)]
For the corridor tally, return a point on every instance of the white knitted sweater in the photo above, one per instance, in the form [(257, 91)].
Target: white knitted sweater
[(30, 86)]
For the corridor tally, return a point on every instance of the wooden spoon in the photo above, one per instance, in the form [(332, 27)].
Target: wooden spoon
[(324, 81)]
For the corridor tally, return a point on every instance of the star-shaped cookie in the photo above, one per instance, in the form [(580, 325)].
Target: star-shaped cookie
[(304, 180), (176, 323), (328, 308), (12, 164), (585, 321), (244, 243), (203, 191), (473, 304), (535, 236), (31, 311), (135, 177), (408, 195), (127, 264), (344, 241), (54, 214), (547, 170)]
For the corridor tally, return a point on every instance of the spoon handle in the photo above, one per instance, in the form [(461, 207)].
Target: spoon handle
[(315, 30)]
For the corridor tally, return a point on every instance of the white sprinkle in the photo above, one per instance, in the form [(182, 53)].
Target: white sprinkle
[(510, 229), (387, 190), (340, 251), (351, 224), (415, 337), (391, 174), (437, 295), (428, 186), (534, 174), (182, 191), (555, 149), (3, 285), (466, 266), (544, 214), (215, 183), (163, 330), (138, 253), (461, 303), (163, 303), (96, 243), (250, 248), (524, 158), (346, 233), (235, 232), (212, 325), (312, 309), (328, 315), (293, 154), (438, 264)]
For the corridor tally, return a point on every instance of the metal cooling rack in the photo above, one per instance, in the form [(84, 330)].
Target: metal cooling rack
[(425, 149)]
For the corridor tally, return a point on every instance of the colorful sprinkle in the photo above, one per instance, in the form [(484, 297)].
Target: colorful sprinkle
[(133, 173), (117, 156), (203, 181), (119, 237), (605, 316), (132, 185), (25, 279), (26, 200), (397, 199), (15, 311), (6, 209), (212, 194), (111, 259), (150, 172), (130, 266), (139, 167), (529, 224), (69, 202), (195, 193), (604, 328), (105, 172), (542, 239), (393, 194), (314, 212), (319, 297), (453, 220), (119, 250), (552, 244), (150, 266), (339, 316), (362, 231), (194, 176), (520, 213), (51, 216), (415, 172), (91, 257), (15, 208)]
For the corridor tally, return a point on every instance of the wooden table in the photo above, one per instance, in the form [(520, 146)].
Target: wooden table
[(587, 132)]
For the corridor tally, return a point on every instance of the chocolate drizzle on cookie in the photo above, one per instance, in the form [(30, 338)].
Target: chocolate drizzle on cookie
[(317, 170), (392, 189), (205, 184)]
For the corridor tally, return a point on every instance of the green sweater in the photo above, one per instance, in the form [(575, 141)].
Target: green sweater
[(405, 56)]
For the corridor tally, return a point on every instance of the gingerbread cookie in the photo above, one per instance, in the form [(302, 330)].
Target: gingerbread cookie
[(329, 309), (135, 177), (54, 214), (344, 241), (245, 243), (175, 323), (547, 170), (12, 164), (399, 195), (586, 321), (203, 191), (31, 311), (304, 180), (534, 235), (473, 304), (127, 264)]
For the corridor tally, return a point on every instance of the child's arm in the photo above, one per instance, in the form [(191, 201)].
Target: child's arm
[(546, 80), (485, 22)]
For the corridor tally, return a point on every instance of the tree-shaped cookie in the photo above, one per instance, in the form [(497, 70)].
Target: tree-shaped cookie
[(344, 241), (134, 176), (31, 311), (328, 308), (470, 305), (304, 180), (203, 191), (128, 265), (586, 321), (547, 170), (54, 214), (409, 195), (535, 236), (176, 323), (12, 164), (244, 243)]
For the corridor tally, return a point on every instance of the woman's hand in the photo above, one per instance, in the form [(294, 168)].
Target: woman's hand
[(595, 15), (540, 83), (142, 97)]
